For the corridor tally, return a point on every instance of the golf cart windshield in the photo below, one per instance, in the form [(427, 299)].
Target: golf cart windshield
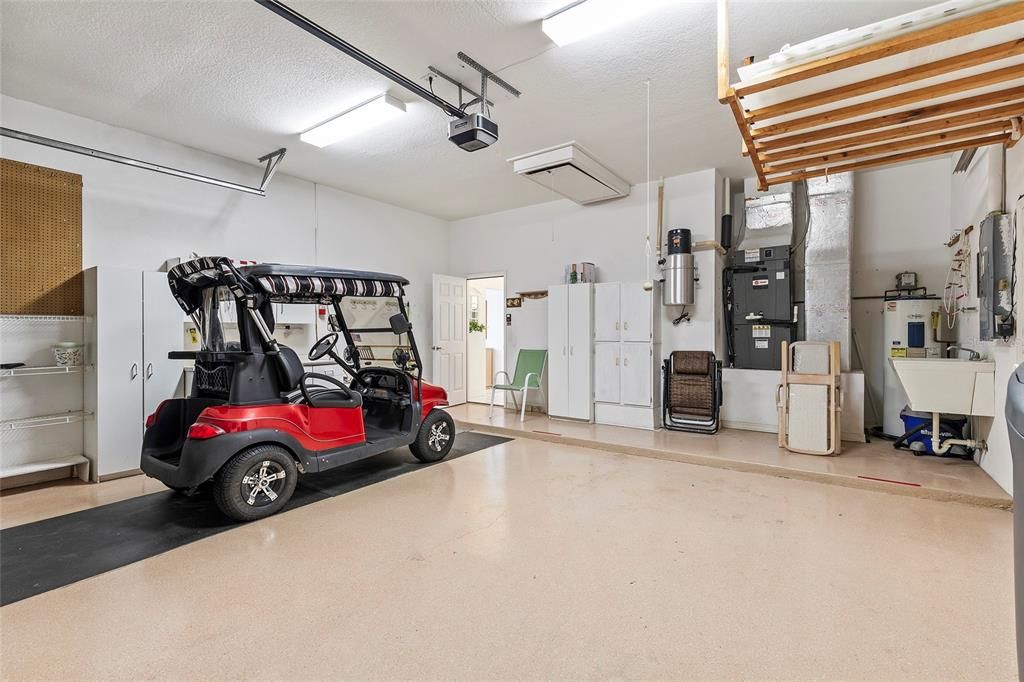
[(219, 321), (368, 319)]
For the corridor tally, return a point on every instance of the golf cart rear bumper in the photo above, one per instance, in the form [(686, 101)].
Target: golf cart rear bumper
[(198, 462)]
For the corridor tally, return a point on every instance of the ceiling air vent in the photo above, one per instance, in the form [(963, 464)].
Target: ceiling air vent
[(571, 171)]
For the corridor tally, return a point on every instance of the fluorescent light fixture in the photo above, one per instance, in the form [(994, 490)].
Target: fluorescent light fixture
[(584, 18), (359, 118)]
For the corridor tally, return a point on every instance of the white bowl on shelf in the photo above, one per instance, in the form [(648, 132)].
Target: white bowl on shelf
[(68, 354)]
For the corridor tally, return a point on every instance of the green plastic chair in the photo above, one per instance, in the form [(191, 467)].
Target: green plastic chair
[(529, 375)]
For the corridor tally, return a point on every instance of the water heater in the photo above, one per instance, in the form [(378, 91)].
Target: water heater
[(907, 326), (678, 269)]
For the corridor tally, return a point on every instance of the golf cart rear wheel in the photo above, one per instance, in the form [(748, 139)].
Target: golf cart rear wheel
[(436, 437), (255, 483)]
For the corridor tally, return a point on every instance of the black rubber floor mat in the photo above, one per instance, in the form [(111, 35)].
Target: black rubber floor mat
[(44, 555)]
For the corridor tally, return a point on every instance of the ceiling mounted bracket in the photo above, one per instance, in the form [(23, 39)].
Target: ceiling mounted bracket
[(462, 88), (487, 74), (272, 161)]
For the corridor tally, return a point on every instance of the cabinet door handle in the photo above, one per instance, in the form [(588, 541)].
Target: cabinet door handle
[(616, 361), (625, 362), (625, 325), (134, 370), (149, 370), (616, 326), (570, 350)]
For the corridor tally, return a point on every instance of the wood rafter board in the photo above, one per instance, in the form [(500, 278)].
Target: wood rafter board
[(948, 84)]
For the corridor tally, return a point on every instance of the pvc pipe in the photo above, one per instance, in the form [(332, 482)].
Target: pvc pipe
[(942, 447)]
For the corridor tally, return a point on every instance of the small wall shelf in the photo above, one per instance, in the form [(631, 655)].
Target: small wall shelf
[(44, 420), (40, 371)]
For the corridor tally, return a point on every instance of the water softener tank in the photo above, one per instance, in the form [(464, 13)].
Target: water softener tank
[(678, 269)]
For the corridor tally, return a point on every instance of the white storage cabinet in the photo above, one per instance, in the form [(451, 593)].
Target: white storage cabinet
[(626, 374), (132, 323), (570, 351)]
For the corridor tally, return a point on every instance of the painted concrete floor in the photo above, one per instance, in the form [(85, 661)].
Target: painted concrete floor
[(538, 560), (869, 466)]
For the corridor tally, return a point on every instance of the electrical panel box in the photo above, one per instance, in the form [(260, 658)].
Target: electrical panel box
[(996, 243), (759, 346)]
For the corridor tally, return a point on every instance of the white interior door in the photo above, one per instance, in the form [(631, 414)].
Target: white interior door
[(637, 374), (162, 332), (636, 312), (558, 351), (581, 335), (449, 330), (606, 311), (606, 372)]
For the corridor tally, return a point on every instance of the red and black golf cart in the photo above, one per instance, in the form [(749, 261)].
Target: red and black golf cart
[(256, 419)]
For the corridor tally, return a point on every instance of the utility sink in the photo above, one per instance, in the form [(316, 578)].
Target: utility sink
[(948, 386)]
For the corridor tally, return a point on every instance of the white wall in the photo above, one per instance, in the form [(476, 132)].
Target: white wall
[(135, 218), (532, 245), (974, 195), (900, 222)]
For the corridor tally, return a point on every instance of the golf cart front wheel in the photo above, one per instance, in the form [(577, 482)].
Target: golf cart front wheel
[(255, 483), (436, 437)]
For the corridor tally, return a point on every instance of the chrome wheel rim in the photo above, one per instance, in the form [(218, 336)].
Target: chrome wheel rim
[(263, 483), (439, 436)]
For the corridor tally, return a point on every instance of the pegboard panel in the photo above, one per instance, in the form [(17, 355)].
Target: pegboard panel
[(40, 240)]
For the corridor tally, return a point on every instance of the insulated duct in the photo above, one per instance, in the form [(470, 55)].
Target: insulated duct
[(827, 262)]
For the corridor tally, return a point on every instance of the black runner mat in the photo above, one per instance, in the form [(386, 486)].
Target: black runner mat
[(44, 555)]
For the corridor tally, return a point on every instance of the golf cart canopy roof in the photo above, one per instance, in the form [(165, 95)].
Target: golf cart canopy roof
[(281, 283)]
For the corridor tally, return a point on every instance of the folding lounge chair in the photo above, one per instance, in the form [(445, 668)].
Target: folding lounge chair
[(693, 392), (809, 398), (529, 375)]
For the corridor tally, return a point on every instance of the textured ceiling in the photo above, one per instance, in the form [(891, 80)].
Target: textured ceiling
[(232, 78)]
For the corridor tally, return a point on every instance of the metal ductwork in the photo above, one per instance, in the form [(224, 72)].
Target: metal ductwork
[(827, 262)]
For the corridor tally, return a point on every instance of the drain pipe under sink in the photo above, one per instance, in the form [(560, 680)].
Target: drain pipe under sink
[(941, 447)]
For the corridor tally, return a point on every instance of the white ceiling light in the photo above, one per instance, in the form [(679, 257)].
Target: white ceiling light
[(367, 115), (584, 18)]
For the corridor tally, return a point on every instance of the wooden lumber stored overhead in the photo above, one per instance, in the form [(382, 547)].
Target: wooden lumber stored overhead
[(837, 122), (889, 160), (958, 28)]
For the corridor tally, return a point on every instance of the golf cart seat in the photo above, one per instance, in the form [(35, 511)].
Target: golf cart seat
[(291, 369)]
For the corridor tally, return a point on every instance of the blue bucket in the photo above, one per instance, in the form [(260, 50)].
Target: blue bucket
[(950, 426)]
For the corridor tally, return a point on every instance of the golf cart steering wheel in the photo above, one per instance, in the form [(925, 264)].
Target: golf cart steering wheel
[(324, 346)]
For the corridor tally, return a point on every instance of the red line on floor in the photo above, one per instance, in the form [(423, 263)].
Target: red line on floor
[(547, 433), (889, 480)]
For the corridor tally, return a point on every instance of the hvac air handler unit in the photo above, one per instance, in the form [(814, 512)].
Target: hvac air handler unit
[(759, 303)]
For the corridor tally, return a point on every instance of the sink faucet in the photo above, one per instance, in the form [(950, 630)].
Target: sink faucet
[(974, 355)]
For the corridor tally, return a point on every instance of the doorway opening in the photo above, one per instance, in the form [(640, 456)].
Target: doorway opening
[(485, 347)]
